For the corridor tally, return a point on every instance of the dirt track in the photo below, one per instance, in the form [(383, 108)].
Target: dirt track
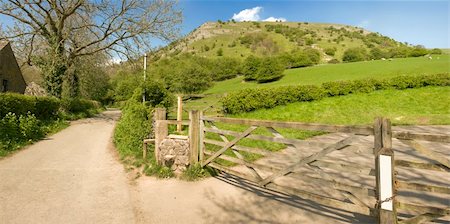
[(75, 177)]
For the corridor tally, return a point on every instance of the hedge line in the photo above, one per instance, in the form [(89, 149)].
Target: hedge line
[(44, 108), (247, 100)]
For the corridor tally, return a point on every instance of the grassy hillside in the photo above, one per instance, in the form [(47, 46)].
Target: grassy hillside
[(241, 39), (412, 106), (332, 72)]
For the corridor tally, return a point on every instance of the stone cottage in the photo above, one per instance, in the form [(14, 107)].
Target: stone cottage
[(11, 79)]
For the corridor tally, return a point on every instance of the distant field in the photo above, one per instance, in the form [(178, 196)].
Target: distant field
[(427, 105), (332, 72)]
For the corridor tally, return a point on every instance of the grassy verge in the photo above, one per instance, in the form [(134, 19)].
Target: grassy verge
[(426, 106)]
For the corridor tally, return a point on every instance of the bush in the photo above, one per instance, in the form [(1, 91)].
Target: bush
[(436, 51), (252, 99), (271, 69), (334, 61), (250, 67), (19, 129), (354, 54), (77, 105), (331, 51), (44, 108)]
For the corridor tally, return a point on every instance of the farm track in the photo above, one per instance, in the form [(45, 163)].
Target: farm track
[(74, 176)]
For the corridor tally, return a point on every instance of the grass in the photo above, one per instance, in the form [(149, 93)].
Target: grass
[(423, 106)]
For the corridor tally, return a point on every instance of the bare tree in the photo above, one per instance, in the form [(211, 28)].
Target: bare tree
[(53, 34)]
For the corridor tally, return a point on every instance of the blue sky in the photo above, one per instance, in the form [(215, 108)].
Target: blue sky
[(415, 22)]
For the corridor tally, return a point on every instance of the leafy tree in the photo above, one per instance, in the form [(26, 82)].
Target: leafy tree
[(331, 51), (354, 54), (250, 67), (436, 51), (270, 69), (55, 33), (376, 53)]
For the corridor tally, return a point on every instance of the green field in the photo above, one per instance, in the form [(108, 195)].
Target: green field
[(346, 71), (427, 105)]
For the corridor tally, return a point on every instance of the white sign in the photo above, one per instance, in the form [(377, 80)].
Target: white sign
[(385, 182)]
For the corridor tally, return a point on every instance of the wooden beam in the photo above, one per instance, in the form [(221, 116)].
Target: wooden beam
[(421, 136), (201, 148), (363, 130), (240, 148), (421, 218), (442, 159), (161, 130), (339, 145), (423, 187), (422, 209), (179, 112), (417, 165), (230, 144), (194, 135)]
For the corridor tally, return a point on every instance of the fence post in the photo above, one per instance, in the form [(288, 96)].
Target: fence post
[(194, 132), (179, 112), (161, 130), (385, 178), (201, 149)]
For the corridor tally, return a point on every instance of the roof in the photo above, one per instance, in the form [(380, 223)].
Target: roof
[(3, 44)]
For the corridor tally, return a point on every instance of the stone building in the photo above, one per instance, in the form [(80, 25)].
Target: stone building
[(11, 79)]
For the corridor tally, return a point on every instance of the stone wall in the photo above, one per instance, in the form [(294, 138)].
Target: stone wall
[(174, 153)]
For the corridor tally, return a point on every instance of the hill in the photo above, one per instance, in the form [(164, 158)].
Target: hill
[(241, 39)]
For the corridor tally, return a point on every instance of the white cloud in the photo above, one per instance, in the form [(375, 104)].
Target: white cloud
[(273, 19), (248, 14), (364, 24), (253, 15)]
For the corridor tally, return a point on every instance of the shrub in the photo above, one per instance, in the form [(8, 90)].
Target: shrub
[(19, 129), (77, 105), (250, 67), (44, 108), (269, 70), (354, 54), (220, 52), (331, 51), (436, 51), (333, 61)]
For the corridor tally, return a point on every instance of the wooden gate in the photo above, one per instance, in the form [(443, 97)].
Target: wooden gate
[(423, 185), (340, 174)]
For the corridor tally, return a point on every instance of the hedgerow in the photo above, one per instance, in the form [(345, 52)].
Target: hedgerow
[(247, 100), (42, 107)]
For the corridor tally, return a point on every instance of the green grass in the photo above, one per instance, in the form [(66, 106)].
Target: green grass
[(346, 71), (425, 106)]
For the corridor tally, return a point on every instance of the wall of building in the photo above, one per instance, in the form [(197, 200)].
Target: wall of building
[(10, 71)]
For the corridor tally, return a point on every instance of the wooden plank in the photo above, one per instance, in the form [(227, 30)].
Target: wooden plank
[(423, 187), (350, 168), (243, 162), (238, 155), (201, 148), (240, 148), (161, 130), (179, 112), (230, 144), (177, 122), (420, 218), (339, 145), (417, 165), (332, 203), (363, 130), (194, 135), (422, 209), (287, 141), (442, 159), (421, 136), (144, 147)]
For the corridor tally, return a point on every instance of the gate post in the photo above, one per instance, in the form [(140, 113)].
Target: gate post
[(385, 178), (161, 130), (194, 135), (201, 149)]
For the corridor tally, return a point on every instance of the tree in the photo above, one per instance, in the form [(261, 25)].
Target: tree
[(250, 67), (66, 30), (270, 69), (354, 54)]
